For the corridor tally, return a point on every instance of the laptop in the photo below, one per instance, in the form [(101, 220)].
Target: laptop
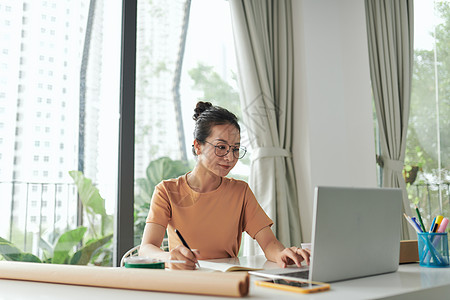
[(356, 233)]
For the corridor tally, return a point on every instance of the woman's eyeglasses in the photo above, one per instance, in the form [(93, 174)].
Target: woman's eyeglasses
[(221, 149)]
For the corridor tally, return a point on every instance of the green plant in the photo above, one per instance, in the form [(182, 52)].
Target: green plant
[(414, 162), (93, 205), (82, 245), (62, 252), (10, 252), (158, 170), (94, 208)]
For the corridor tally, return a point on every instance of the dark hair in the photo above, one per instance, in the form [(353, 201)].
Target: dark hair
[(206, 116)]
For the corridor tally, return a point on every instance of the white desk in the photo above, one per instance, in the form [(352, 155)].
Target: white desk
[(410, 282)]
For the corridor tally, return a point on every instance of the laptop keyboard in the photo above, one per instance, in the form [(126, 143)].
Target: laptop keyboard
[(298, 274)]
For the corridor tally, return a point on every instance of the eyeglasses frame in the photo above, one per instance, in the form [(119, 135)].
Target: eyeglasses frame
[(228, 151)]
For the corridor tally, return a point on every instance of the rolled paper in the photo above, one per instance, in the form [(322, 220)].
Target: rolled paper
[(189, 282)]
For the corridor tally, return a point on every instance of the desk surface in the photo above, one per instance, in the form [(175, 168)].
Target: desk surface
[(410, 282)]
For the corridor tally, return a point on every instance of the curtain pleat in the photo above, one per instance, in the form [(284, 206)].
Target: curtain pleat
[(264, 49), (391, 55)]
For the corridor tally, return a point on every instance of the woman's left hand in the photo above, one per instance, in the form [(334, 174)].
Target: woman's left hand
[(293, 255)]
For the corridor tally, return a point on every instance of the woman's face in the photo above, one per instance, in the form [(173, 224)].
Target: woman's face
[(223, 135)]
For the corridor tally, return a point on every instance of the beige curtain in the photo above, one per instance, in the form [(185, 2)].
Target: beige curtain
[(391, 53), (264, 49)]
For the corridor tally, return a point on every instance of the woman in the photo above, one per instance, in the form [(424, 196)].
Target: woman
[(209, 209)]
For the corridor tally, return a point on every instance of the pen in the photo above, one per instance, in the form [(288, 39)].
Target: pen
[(411, 222), (433, 224), (438, 222), (185, 243), (416, 224), (434, 228), (420, 220)]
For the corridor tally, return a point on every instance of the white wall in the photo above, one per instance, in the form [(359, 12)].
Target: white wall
[(334, 134)]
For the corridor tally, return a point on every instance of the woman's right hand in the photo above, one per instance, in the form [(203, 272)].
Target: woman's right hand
[(182, 253)]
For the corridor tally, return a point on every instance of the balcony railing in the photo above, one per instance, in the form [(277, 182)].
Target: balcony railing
[(33, 210)]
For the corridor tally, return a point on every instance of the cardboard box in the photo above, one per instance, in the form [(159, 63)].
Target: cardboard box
[(409, 252)]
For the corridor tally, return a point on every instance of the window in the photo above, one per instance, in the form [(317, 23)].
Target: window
[(427, 161), (44, 68), (168, 132)]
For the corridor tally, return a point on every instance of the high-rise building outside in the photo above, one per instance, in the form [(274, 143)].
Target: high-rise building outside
[(159, 34), (41, 47)]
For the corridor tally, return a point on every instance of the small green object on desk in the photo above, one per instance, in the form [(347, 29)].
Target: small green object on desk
[(144, 263)]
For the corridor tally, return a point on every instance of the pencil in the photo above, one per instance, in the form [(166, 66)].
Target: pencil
[(420, 219), (185, 243)]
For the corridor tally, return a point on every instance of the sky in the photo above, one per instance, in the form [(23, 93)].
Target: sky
[(423, 24)]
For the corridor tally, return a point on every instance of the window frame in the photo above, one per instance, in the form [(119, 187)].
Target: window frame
[(124, 215)]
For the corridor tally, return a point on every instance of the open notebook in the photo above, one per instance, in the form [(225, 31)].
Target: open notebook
[(237, 264)]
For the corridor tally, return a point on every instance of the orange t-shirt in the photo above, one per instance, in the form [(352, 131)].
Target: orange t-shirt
[(211, 222)]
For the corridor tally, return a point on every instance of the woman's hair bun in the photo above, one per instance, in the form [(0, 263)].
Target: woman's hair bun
[(200, 108)]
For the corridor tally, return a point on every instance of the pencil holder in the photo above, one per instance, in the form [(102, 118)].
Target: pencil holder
[(433, 249)]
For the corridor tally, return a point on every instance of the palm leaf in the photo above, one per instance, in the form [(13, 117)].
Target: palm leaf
[(84, 255), (65, 244)]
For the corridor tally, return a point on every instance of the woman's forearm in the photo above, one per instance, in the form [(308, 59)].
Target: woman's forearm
[(272, 250), (152, 251), (269, 244)]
